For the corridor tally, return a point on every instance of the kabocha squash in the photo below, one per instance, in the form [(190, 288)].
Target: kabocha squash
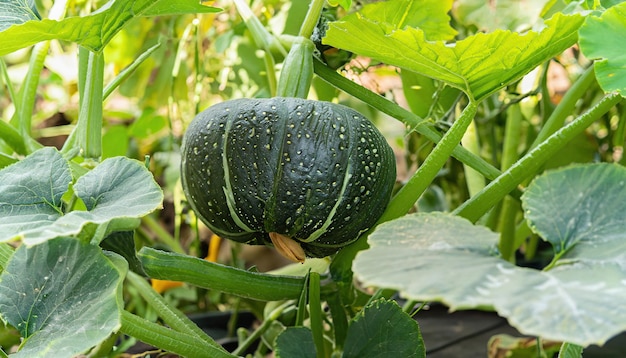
[(306, 176)]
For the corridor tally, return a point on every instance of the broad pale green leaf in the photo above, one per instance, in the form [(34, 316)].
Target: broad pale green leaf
[(116, 194), (16, 12), (440, 257), (382, 329), (579, 208), (412, 252), (479, 65), (514, 15), (295, 342), (63, 296), (603, 38), (30, 192), (96, 30)]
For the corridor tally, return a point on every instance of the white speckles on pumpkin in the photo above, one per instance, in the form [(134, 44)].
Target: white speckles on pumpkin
[(315, 191)]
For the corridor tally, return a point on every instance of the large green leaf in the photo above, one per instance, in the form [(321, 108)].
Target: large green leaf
[(603, 38), (478, 65), (93, 31), (116, 194), (63, 296), (382, 329), (31, 191), (581, 210), (16, 12)]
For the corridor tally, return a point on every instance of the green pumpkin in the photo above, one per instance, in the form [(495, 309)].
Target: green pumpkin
[(315, 173)]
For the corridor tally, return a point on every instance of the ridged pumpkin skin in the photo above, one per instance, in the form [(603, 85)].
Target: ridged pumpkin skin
[(317, 172)]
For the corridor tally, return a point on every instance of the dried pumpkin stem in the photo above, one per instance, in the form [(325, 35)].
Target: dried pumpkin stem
[(287, 247)]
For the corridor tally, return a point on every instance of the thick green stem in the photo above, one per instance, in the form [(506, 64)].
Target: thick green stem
[(510, 207), (406, 197), (88, 132), (315, 314), (526, 167), (411, 120), (126, 72), (176, 267), (170, 315), (475, 181), (507, 228), (297, 72), (311, 19), (168, 339), (28, 92)]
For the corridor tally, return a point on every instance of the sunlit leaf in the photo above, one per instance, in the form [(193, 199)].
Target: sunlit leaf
[(63, 296), (16, 12), (96, 30), (603, 38), (431, 16), (581, 210), (478, 65)]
